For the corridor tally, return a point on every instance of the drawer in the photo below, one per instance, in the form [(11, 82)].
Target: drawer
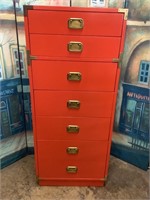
[(63, 75), (75, 104), (55, 156), (102, 48), (83, 23), (72, 128)]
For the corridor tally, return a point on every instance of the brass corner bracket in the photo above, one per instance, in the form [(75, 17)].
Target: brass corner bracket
[(104, 179), (26, 8), (125, 11), (118, 60), (29, 57)]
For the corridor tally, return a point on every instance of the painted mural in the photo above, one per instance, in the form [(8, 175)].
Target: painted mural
[(131, 126), (12, 129)]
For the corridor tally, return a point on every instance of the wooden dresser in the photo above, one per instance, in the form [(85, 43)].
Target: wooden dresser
[(73, 56)]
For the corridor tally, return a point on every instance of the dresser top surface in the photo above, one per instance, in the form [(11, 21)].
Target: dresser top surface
[(78, 9)]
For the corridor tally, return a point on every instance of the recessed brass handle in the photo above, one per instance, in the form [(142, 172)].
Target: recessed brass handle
[(71, 169), (72, 129), (74, 104), (74, 76), (72, 150), (75, 23), (75, 46)]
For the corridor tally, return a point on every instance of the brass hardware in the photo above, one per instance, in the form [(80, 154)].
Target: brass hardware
[(104, 179), (74, 76), (72, 150), (75, 46), (72, 129), (75, 104), (72, 169), (75, 23), (125, 11), (118, 60), (26, 8), (115, 60), (29, 58)]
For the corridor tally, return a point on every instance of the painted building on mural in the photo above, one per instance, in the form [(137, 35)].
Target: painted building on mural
[(133, 97), (11, 107), (134, 115), (131, 126)]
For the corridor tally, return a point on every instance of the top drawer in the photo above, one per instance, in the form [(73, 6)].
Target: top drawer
[(80, 23)]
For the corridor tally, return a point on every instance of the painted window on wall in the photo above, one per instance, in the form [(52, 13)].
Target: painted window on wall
[(130, 109), (144, 72), (145, 119), (15, 59), (99, 3), (5, 129)]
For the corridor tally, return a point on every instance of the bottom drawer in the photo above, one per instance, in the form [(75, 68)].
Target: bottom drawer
[(87, 160)]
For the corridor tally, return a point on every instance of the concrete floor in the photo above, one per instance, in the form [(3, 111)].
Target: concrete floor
[(124, 182)]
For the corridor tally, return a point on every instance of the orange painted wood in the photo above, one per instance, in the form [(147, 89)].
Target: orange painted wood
[(93, 47), (26, 33), (93, 104), (33, 119), (70, 182), (123, 36), (47, 36), (112, 121), (104, 24), (75, 9), (89, 128), (52, 75), (53, 159)]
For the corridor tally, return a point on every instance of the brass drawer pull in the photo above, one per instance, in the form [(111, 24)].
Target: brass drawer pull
[(75, 46), (75, 104), (72, 150), (75, 23), (74, 76), (72, 169), (72, 129)]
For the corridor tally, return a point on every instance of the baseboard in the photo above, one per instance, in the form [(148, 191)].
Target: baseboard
[(136, 157), (30, 150), (11, 158)]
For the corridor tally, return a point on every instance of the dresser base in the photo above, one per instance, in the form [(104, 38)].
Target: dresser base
[(64, 182)]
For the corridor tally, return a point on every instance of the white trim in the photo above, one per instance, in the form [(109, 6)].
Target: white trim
[(137, 23), (7, 16)]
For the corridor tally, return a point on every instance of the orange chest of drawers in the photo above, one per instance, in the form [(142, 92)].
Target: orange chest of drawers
[(73, 57)]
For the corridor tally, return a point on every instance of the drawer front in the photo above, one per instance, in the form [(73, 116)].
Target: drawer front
[(87, 158), (63, 75), (58, 128), (102, 48), (75, 23), (75, 104)]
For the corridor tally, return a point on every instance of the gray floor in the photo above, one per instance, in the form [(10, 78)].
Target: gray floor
[(124, 182)]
